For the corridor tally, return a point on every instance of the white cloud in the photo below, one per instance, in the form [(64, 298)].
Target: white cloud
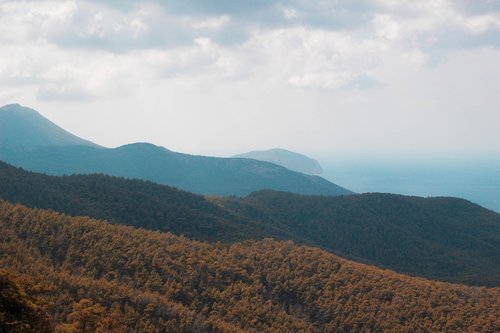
[(386, 27), (414, 58), (304, 57), (212, 23), (482, 23), (29, 20), (314, 58), (95, 28), (138, 27), (290, 13), (323, 80)]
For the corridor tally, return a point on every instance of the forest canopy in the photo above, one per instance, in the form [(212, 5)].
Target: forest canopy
[(93, 276)]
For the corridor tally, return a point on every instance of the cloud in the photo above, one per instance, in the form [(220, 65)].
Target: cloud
[(313, 58), (481, 23), (92, 49), (23, 21), (290, 13), (386, 27), (212, 23)]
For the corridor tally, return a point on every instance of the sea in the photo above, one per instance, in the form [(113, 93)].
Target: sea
[(475, 180)]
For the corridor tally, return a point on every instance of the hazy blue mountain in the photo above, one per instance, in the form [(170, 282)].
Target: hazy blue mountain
[(24, 128), (47, 150), (288, 159)]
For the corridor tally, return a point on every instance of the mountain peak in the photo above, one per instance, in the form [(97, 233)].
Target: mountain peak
[(142, 146), (12, 105), (24, 128), (17, 108)]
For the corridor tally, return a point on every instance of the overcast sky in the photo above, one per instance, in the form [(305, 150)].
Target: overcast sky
[(326, 78)]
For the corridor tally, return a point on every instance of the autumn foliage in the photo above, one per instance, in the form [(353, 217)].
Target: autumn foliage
[(18, 313), (92, 276)]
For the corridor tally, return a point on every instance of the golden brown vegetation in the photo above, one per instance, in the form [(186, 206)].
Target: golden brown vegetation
[(18, 314), (96, 277)]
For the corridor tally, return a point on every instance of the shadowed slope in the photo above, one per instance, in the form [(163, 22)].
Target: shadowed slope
[(131, 202), (18, 313)]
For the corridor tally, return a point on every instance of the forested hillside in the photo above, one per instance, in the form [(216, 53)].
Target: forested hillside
[(96, 277), (132, 202), (440, 238), (18, 313)]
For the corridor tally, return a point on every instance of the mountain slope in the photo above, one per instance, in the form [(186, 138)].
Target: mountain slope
[(120, 279), (24, 128), (440, 238), (198, 174), (288, 159), (443, 238), (30, 141), (131, 202), (18, 314)]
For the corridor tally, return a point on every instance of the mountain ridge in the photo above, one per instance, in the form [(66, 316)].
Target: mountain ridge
[(286, 158), (25, 128), (63, 153)]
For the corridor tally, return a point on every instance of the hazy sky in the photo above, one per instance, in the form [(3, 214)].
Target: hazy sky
[(327, 78)]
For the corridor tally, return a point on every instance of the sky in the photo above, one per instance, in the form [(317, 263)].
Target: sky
[(389, 78)]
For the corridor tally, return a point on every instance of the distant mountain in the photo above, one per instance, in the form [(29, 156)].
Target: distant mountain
[(24, 128), (288, 159), (198, 174), (34, 143), (95, 277), (441, 238)]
